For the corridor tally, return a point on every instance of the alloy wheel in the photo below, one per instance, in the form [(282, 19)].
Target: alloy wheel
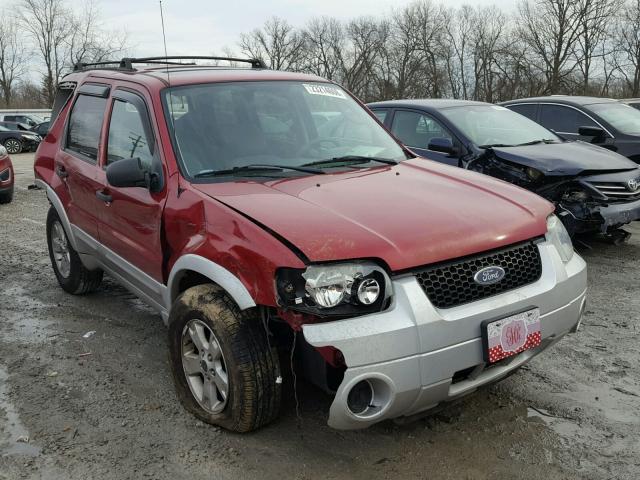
[(60, 248), (204, 366), (13, 146)]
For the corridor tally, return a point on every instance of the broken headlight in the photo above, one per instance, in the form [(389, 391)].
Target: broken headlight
[(559, 237), (335, 289)]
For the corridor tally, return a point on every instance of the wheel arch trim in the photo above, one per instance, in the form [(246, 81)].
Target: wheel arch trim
[(216, 273), (57, 204)]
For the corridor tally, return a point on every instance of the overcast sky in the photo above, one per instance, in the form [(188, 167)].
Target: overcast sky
[(201, 27)]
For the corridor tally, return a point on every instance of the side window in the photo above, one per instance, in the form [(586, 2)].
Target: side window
[(127, 137), (85, 123), (529, 110), (564, 119), (417, 129), (381, 114)]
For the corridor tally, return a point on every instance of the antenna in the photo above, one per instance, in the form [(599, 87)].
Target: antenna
[(170, 99)]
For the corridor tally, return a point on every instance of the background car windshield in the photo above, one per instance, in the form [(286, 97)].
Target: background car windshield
[(226, 125), (623, 117), (495, 125)]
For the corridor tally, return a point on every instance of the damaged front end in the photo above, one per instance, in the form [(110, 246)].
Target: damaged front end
[(587, 201)]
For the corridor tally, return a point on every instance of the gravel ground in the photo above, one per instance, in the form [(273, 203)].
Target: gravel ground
[(104, 406)]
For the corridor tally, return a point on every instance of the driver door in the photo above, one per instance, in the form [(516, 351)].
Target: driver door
[(416, 129), (130, 218)]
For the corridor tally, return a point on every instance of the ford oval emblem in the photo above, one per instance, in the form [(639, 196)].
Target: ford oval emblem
[(489, 275)]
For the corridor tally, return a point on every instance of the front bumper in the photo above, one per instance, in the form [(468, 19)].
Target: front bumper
[(411, 352), (618, 214)]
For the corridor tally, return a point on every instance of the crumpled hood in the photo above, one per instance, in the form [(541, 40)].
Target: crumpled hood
[(567, 158), (413, 214)]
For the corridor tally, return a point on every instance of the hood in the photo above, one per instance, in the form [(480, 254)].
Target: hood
[(567, 158), (412, 214)]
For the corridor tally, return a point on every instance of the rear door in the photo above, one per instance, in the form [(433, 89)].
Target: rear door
[(77, 162), (130, 218)]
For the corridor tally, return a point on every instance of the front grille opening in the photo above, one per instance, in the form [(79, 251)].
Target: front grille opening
[(452, 284)]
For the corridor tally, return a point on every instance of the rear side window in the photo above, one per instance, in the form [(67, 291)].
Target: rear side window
[(563, 119), (85, 123), (127, 137), (528, 110)]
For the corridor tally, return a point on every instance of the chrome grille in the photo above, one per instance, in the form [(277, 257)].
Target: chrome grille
[(617, 191)]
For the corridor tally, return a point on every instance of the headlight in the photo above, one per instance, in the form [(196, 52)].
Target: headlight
[(335, 289), (32, 137), (5, 175), (534, 174), (559, 237)]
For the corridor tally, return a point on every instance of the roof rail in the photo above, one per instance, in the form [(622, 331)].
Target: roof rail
[(127, 63)]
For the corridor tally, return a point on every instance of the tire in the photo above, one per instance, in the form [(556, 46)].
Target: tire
[(6, 196), (72, 275), (252, 368), (13, 145)]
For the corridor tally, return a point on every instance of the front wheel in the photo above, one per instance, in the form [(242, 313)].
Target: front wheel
[(224, 370), (6, 196), (13, 146)]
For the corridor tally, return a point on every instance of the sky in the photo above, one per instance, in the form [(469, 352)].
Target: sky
[(204, 27)]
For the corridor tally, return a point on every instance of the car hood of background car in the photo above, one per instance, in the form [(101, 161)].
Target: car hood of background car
[(416, 213), (566, 158)]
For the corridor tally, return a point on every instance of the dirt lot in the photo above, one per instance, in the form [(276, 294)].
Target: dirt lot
[(104, 406)]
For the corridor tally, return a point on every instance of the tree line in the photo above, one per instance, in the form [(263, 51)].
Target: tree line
[(422, 49)]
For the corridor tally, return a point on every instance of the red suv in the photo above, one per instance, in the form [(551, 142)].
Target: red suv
[(265, 213), (6, 176)]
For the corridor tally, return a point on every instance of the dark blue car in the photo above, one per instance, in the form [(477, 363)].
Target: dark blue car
[(594, 189)]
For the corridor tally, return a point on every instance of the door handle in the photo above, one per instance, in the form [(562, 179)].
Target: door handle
[(105, 197), (61, 171)]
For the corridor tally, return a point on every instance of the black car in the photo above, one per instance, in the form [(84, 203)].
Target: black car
[(16, 141), (41, 129), (604, 122), (593, 189)]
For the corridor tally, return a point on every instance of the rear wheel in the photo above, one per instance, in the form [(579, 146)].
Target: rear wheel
[(223, 367), (13, 145), (72, 275)]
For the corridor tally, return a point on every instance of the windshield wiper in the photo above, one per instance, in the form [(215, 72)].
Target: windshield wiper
[(504, 145), (256, 168), (352, 160)]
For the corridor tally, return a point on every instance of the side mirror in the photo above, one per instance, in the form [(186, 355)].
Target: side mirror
[(596, 132), (443, 145), (128, 172)]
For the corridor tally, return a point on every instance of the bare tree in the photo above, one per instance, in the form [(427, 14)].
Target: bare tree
[(593, 33), (277, 43), (89, 42), (551, 29), (12, 58), (324, 43), (50, 24)]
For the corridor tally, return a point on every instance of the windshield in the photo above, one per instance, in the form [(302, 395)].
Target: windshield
[(222, 126), (622, 117), (495, 125)]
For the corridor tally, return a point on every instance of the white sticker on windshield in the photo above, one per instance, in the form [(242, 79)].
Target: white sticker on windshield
[(326, 90), (498, 107)]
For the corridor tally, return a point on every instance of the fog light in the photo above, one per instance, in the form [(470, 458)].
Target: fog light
[(368, 291), (360, 397)]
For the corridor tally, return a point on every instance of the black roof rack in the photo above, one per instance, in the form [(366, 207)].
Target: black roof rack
[(127, 63)]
